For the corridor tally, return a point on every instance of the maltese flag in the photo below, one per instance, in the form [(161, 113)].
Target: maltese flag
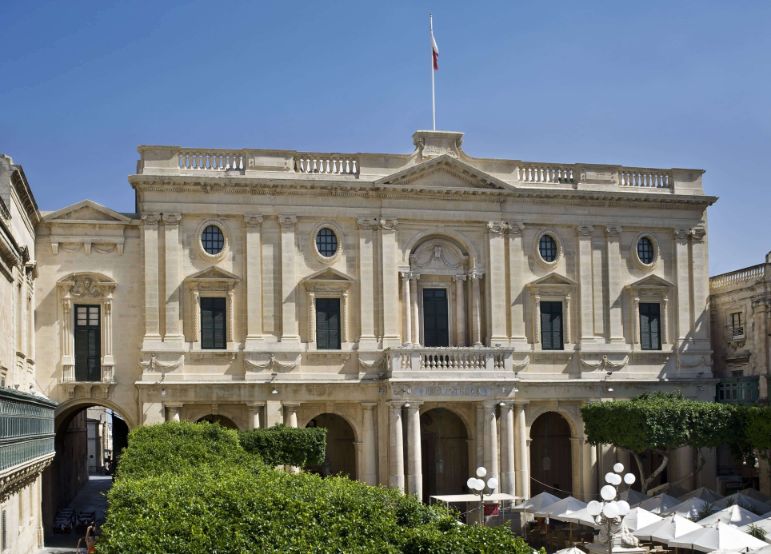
[(434, 47)]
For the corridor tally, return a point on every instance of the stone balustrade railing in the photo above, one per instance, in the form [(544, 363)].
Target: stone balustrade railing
[(473, 359), (68, 374), (751, 273), (211, 160), (326, 164), (644, 178), (547, 173)]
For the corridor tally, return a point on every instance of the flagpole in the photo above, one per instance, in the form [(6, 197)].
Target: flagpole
[(433, 87)]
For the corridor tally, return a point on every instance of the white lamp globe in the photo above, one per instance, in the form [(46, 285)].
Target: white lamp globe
[(623, 507), (594, 508), (608, 492), (610, 510), (609, 477), (618, 467), (471, 483), (481, 472), (479, 485), (616, 479), (629, 478), (492, 483)]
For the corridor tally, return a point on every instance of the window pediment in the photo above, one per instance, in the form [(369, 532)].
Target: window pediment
[(444, 172), (552, 283), (327, 280), (652, 285), (88, 285), (212, 278), (438, 256)]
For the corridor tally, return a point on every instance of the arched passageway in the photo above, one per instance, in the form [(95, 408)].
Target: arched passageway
[(341, 454), (444, 447), (89, 440), (223, 421), (550, 458)]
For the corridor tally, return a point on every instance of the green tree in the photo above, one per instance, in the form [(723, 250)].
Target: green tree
[(659, 423)]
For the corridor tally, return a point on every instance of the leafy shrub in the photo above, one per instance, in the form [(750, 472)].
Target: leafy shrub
[(229, 501), (759, 427), (281, 445)]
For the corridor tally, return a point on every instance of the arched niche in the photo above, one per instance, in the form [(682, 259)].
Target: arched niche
[(340, 458), (444, 451)]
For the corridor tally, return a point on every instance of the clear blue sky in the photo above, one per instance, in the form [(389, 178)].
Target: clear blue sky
[(655, 83)]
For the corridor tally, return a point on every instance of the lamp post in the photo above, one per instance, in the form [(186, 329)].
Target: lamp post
[(478, 486), (611, 511)]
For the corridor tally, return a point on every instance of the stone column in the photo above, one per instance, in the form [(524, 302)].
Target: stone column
[(254, 410), (196, 316), (585, 287), (589, 467), (536, 319), (491, 439), (476, 316), (389, 282), (395, 446), (683, 284), (508, 482), (230, 330), (568, 316), (253, 270), (369, 443), (615, 284), (173, 412), (479, 438), (312, 317), (367, 339), (636, 321), (68, 341), (414, 458), (517, 263), (173, 281), (406, 309), (496, 283), (576, 449), (460, 311), (108, 358), (152, 314), (289, 328), (522, 452), (415, 317), (290, 414), (700, 322), (344, 324)]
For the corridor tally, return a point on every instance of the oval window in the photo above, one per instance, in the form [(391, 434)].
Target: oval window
[(645, 250), (212, 240), (547, 248), (326, 242)]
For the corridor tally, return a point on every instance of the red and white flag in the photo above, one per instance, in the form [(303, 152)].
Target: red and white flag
[(434, 47)]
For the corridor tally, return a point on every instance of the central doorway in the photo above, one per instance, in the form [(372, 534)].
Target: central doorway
[(436, 329)]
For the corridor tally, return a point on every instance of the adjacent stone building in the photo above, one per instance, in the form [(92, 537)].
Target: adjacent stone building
[(26, 416), (433, 310)]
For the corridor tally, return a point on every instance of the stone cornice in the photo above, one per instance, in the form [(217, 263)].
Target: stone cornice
[(22, 475), (343, 188)]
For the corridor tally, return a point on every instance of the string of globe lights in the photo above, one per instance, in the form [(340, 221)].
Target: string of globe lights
[(478, 486)]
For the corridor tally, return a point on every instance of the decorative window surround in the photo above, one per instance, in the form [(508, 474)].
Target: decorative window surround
[(86, 288), (650, 289), (552, 288), (212, 282), (198, 239), (636, 257), (328, 283)]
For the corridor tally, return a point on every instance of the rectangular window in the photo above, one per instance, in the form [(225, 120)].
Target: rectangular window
[(436, 331), (737, 325), (87, 343), (650, 326), (328, 323), (213, 331), (551, 326)]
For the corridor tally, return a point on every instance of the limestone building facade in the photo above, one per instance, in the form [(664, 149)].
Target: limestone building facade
[(435, 311), (26, 416)]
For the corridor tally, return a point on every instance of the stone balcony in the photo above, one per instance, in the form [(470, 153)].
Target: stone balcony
[(441, 363)]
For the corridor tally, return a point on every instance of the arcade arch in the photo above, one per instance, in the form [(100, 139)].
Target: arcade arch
[(551, 460), (444, 448), (341, 451), (222, 420)]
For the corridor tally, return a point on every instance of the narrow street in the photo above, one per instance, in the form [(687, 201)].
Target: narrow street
[(91, 498)]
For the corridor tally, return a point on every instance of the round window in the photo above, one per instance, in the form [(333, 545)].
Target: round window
[(645, 250), (547, 248), (212, 240), (326, 242)]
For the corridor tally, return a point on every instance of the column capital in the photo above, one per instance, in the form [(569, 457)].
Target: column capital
[(412, 405), (369, 405), (395, 404), (151, 219), (490, 404), (585, 230), (681, 235), (497, 227), (475, 275), (252, 220), (698, 233), (367, 223), (291, 406), (255, 405), (521, 403), (175, 405), (388, 224), (459, 278), (172, 218), (613, 231), (516, 228), (287, 221)]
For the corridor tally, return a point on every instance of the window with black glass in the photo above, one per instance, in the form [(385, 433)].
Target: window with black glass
[(551, 326), (650, 326), (213, 329), (737, 325), (547, 248), (326, 242), (645, 250), (212, 239), (87, 343), (436, 331), (328, 323)]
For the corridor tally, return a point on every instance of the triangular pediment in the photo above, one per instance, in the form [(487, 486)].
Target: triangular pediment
[(329, 274), (214, 274), (444, 172), (651, 281), (86, 211), (553, 279)]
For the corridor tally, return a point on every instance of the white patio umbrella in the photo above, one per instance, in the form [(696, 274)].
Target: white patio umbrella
[(705, 493), (764, 550), (756, 494), (637, 518), (691, 508), (733, 515), (571, 550), (659, 504), (632, 496), (667, 529), (720, 536), (582, 517), (561, 508), (764, 524), (744, 501), (538, 502)]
